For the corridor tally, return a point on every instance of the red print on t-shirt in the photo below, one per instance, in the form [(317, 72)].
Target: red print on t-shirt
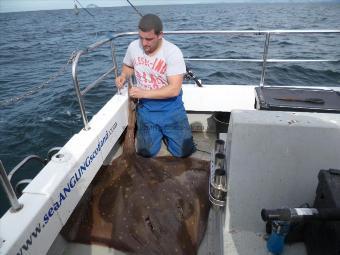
[(150, 74)]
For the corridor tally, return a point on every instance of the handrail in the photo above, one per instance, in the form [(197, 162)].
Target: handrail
[(20, 183), (77, 88), (6, 179), (253, 32), (272, 60), (51, 152), (95, 83), (264, 59), (265, 56), (24, 162)]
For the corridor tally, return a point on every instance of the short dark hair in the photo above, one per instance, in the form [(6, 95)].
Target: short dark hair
[(151, 22)]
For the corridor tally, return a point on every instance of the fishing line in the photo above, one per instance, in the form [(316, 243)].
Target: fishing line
[(135, 8), (84, 8)]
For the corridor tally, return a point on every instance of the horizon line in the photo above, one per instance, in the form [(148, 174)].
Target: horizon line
[(93, 6)]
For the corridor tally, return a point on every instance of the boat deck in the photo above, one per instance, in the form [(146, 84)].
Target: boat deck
[(204, 144), (280, 164)]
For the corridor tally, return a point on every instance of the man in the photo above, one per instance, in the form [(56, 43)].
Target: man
[(158, 66)]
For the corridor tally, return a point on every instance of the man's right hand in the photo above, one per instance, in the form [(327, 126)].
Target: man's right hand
[(120, 80)]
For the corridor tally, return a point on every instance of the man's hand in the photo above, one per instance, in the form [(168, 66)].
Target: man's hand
[(120, 80), (135, 92), (127, 71)]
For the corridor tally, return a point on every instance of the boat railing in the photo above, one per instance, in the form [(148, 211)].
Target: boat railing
[(15, 205), (264, 60)]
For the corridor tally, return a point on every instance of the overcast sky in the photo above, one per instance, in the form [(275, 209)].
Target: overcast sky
[(31, 5)]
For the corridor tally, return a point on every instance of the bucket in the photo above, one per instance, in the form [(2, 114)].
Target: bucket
[(221, 121)]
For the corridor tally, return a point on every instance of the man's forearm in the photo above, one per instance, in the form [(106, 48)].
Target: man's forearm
[(127, 71), (171, 90)]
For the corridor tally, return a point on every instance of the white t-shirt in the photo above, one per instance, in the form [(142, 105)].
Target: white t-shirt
[(151, 72)]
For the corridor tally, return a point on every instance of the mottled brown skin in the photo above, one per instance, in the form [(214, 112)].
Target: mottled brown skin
[(144, 205)]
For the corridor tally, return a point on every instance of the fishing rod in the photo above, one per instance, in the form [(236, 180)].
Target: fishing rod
[(135, 8)]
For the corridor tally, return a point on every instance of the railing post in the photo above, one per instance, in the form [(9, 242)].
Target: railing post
[(79, 96), (264, 58), (114, 60), (16, 206)]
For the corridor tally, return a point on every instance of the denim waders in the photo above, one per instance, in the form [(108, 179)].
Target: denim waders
[(170, 125)]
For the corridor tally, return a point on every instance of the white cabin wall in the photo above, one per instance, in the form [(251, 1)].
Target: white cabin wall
[(274, 160)]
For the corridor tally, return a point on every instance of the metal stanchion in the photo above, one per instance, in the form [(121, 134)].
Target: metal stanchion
[(15, 205)]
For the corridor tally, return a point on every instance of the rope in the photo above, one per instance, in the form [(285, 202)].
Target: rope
[(220, 121), (208, 152), (197, 149), (36, 89)]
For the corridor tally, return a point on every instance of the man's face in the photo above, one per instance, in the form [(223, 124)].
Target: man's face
[(150, 41)]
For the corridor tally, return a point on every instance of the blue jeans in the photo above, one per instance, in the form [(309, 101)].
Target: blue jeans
[(172, 126)]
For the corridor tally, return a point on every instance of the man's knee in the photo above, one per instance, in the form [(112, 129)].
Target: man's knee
[(147, 153), (148, 141), (183, 150), (148, 148)]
